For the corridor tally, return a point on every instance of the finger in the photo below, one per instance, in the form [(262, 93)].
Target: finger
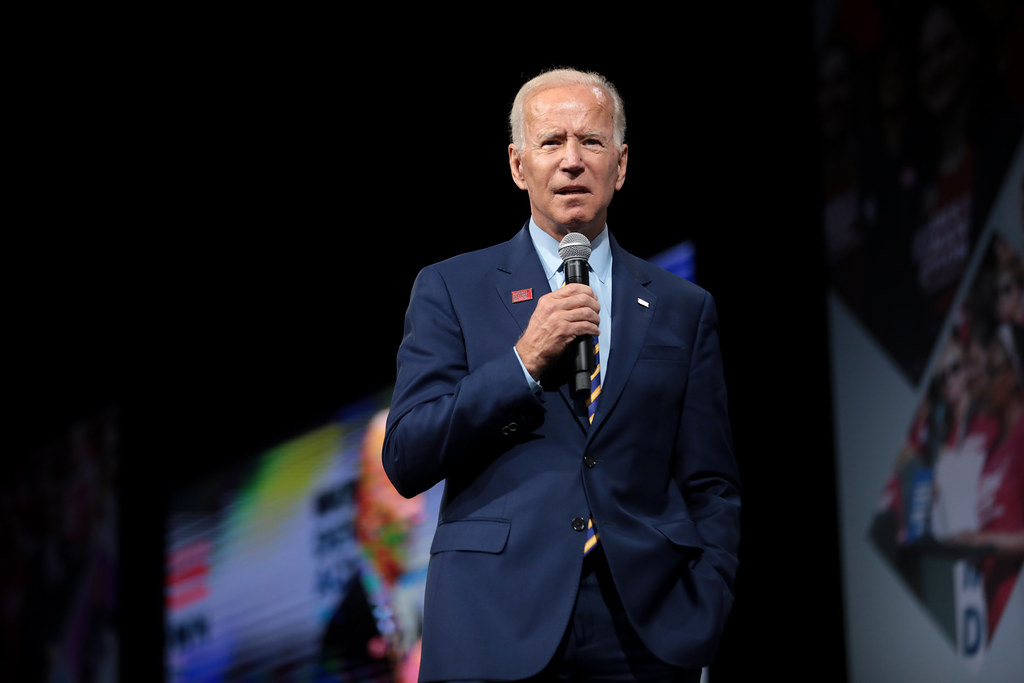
[(573, 290), (580, 297)]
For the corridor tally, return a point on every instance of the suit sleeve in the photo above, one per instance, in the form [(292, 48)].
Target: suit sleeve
[(705, 467), (444, 413)]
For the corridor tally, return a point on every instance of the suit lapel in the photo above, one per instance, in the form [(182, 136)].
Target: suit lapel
[(633, 307), (519, 273)]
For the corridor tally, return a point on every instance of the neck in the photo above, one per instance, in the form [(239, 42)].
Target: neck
[(557, 232)]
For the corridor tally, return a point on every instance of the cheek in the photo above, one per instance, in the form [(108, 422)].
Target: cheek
[(535, 177)]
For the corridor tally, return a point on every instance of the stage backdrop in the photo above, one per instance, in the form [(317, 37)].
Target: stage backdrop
[(923, 177)]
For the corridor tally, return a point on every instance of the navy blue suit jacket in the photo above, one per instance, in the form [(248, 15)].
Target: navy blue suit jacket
[(655, 470)]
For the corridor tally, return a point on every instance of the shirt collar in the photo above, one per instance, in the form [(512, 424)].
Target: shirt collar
[(600, 260)]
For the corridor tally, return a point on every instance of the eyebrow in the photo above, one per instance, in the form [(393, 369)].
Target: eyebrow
[(557, 134)]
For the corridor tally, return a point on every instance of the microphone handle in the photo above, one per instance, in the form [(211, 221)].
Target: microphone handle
[(581, 348), (577, 272)]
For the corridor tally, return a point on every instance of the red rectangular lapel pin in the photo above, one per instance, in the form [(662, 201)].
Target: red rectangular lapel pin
[(522, 295)]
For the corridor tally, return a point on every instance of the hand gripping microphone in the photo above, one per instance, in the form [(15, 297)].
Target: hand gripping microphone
[(575, 250)]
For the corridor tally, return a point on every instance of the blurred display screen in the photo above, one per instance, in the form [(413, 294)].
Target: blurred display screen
[(301, 564)]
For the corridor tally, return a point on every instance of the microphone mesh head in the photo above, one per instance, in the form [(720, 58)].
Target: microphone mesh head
[(574, 245)]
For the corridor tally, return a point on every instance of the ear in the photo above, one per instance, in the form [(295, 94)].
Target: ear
[(623, 158), (515, 164)]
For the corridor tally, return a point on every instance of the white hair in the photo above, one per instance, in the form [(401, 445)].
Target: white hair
[(556, 77)]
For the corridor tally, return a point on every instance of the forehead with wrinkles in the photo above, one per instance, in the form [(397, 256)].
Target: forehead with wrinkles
[(580, 108)]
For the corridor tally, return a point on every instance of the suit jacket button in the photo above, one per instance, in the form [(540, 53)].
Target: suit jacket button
[(589, 461), (579, 524)]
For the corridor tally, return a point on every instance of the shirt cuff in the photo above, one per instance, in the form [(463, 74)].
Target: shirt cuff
[(534, 384)]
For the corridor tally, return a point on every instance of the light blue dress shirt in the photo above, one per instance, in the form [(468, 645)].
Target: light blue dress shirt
[(600, 281)]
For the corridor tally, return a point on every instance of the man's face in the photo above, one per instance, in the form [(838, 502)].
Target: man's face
[(570, 165)]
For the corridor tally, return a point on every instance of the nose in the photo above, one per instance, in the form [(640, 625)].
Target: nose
[(572, 160)]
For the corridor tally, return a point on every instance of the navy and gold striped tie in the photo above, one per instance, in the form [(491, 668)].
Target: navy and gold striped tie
[(595, 393), (591, 537), (595, 383)]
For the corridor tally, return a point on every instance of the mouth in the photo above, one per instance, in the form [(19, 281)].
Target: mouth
[(572, 190)]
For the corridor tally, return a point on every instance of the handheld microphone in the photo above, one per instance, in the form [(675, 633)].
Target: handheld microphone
[(575, 250)]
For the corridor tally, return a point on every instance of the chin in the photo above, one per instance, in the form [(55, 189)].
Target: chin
[(576, 222)]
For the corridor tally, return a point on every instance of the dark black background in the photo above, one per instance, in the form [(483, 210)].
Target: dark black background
[(218, 220)]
